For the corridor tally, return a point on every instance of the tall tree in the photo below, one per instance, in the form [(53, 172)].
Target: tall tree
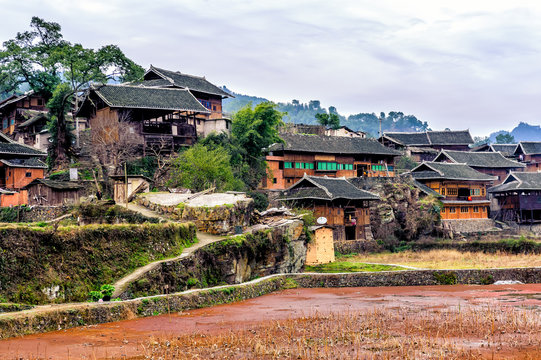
[(52, 66), (505, 138), (332, 120)]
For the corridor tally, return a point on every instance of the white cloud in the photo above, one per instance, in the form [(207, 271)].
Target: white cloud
[(462, 64)]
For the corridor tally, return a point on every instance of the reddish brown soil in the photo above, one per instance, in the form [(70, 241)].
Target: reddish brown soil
[(128, 338)]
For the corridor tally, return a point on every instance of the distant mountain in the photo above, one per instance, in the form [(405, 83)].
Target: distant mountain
[(522, 132), (301, 113)]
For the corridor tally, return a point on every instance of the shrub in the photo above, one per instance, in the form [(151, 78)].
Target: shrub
[(446, 278), (95, 295), (261, 202), (107, 290)]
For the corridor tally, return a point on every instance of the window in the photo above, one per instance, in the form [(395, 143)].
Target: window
[(299, 165), (310, 166), (274, 181), (5, 124), (443, 191), (464, 209), (475, 192), (452, 209), (483, 192), (205, 103), (327, 166), (288, 165), (442, 210), (476, 209), (29, 174), (280, 165), (452, 192), (40, 102), (214, 107)]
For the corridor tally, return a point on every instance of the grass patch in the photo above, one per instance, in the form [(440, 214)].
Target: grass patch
[(451, 259), (349, 266)]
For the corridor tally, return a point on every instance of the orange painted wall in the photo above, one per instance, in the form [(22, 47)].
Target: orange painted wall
[(446, 214), (16, 177), (20, 198)]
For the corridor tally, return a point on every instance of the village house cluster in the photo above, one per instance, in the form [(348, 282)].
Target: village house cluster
[(313, 168)]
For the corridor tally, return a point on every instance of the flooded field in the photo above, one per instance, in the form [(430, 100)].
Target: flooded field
[(459, 321)]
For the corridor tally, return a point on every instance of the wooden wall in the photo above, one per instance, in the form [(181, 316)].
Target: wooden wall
[(15, 178), (459, 213), (39, 194)]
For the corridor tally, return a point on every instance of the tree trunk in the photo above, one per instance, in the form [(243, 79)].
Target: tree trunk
[(62, 146)]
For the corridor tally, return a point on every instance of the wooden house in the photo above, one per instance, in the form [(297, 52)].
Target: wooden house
[(47, 192), (331, 156), (14, 110), (336, 203), (146, 116), (519, 198), (19, 165), (507, 150), (424, 146), (529, 153), (208, 94), (490, 163), (463, 188)]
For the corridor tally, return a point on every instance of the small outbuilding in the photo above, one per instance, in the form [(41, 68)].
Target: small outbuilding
[(135, 184), (519, 198), (48, 192)]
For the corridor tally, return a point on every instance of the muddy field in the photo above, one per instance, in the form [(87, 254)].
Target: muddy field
[(430, 322)]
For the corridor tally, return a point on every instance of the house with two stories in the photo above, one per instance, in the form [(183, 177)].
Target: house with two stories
[(424, 146), (331, 156), (464, 189), (529, 153), (19, 166), (518, 198), (490, 163), (336, 202)]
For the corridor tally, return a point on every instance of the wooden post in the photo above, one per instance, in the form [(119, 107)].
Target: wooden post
[(126, 180)]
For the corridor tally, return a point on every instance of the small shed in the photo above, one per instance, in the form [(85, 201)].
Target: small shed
[(136, 184), (321, 249), (53, 193)]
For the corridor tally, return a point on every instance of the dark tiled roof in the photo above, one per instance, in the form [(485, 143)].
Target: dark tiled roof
[(54, 184), (449, 171), (408, 138), (331, 145), (18, 149), (122, 96), (33, 120), (425, 189), (478, 159), (519, 181), (460, 137), (5, 139), (505, 149), (32, 163), (189, 82), (317, 187), (14, 98), (529, 147), (153, 83)]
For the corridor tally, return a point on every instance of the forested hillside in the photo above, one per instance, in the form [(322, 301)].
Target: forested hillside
[(305, 113)]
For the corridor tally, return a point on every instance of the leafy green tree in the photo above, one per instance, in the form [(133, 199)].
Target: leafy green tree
[(505, 138), (332, 120), (252, 131), (42, 60), (199, 168)]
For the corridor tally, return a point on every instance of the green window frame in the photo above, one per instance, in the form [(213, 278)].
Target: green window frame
[(309, 166), (288, 165)]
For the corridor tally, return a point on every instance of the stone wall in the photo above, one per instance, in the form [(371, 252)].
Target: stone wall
[(278, 249), (73, 315), (470, 226), (218, 220), (43, 213)]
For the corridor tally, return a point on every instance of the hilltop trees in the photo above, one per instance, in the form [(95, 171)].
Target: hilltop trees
[(41, 60), (332, 120), (505, 139)]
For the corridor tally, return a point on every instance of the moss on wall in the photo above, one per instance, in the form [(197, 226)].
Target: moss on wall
[(43, 264)]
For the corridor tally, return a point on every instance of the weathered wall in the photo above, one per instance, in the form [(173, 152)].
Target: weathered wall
[(43, 213), (281, 249), (45, 264), (220, 220), (321, 249)]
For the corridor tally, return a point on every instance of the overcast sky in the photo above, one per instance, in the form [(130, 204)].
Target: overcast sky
[(459, 64)]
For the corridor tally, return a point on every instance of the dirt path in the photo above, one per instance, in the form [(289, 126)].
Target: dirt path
[(203, 239)]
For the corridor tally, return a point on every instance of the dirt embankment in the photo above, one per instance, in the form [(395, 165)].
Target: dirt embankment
[(45, 264)]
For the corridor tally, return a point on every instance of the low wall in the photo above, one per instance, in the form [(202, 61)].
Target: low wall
[(69, 316), (470, 226), (43, 213)]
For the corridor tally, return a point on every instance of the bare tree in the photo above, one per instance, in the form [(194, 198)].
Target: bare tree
[(163, 152), (112, 144)]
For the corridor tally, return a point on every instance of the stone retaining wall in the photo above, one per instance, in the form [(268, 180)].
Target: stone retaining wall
[(69, 316)]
